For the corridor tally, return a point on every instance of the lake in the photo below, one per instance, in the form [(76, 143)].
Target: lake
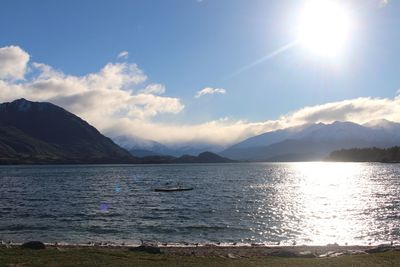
[(312, 203)]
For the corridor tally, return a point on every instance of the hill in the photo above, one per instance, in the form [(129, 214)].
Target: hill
[(366, 155), (205, 157), (39, 132)]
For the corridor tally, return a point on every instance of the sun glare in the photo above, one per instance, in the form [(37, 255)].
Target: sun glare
[(324, 27)]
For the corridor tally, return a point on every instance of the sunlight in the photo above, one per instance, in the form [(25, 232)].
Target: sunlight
[(324, 27), (327, 191)]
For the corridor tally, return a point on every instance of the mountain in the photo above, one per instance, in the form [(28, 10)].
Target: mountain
[(385, 126), (142, 147), (143, 153), (314, 141), (205, 157), (38, 132)]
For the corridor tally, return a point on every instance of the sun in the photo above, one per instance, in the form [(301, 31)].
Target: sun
[(324, 27)]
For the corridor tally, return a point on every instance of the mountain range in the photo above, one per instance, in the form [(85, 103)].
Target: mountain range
[(43, 133), (307, 142), (141, 147), (314, 141), (36, 132)]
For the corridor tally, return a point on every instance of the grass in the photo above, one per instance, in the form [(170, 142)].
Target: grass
[(121, 257)]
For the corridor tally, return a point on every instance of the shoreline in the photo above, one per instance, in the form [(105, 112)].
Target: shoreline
[(204, 256), (229, 251)]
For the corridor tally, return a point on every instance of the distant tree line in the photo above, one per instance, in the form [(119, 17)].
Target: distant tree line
[(367, 155)]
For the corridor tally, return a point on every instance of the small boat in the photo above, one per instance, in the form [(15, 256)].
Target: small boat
[(173, 189)]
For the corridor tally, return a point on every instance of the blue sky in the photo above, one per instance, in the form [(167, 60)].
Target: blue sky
[(190, 45)]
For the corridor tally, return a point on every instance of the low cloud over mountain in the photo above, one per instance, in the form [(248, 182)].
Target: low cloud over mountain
[(119, 100)]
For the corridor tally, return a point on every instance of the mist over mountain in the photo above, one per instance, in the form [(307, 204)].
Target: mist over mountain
[(141, 147), (40, 132), (314, 141)]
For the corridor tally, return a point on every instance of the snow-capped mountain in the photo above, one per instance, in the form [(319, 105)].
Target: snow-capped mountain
[(314, 141)]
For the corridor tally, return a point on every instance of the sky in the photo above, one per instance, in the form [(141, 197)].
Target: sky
[(205, 71)]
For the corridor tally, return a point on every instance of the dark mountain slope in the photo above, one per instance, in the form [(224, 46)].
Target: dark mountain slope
[(35, 132)]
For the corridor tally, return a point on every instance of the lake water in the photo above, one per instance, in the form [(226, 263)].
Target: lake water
[(307, 203)]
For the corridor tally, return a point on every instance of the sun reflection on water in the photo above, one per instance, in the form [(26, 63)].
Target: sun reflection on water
[(330, 198)]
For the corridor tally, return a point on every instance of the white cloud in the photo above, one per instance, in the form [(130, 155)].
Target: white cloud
[(123, 54), (209, 91), (13, 63), (118, 100), (115, 92), (154, 88), (225, 132)]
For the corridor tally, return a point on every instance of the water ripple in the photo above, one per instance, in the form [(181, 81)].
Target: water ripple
[(312, 203)]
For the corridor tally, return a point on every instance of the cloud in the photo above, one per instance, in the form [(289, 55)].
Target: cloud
[(224, 132), (155, 88), (209, 91), (359, 110), (118, 90), (13, 63), (123, 54), (119, 100)]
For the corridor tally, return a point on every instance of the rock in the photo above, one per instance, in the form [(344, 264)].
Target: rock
[(146, 248), (336, 254), (356, 252), (231, 256), (327, 254), (306, 254), (33, 245)]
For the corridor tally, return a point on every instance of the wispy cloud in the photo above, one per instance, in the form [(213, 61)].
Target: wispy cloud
[(123, 54), (210, 91), (154, 88)]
